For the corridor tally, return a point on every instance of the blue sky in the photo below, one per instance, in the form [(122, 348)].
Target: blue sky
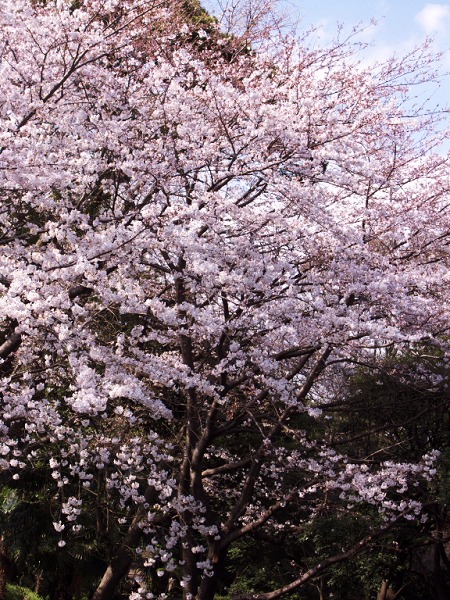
[(400, 21), (401, 25), (402, 18)]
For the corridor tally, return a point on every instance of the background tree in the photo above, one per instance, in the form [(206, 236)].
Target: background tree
[(366, 425)]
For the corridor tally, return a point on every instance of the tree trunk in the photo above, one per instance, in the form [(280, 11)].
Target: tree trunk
[(114, 574), (386, 592), (383, 591), (38, 583), (119, 566), (439, 580), (321, 588), (208, 585), (3, 569), (121, 563)]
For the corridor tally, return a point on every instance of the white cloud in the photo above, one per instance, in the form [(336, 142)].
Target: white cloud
[(434, 18)]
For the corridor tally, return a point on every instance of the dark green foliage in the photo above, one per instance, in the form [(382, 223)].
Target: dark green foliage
[(16, 592), (403, 407), (197, 15), (398, 410), (27, 514)]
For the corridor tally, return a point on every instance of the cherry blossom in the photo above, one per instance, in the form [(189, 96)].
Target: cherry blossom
[(193, 243)]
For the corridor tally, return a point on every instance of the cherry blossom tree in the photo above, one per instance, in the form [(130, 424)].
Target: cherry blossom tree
[(194, 240)]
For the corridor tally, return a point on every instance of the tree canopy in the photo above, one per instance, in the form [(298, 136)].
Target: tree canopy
[(201, 243)]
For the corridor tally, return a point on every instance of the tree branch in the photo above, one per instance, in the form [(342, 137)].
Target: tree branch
[(323, 565), (10, 345)]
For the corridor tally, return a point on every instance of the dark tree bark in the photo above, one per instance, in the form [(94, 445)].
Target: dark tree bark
[(3, 570), (122, 561)]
